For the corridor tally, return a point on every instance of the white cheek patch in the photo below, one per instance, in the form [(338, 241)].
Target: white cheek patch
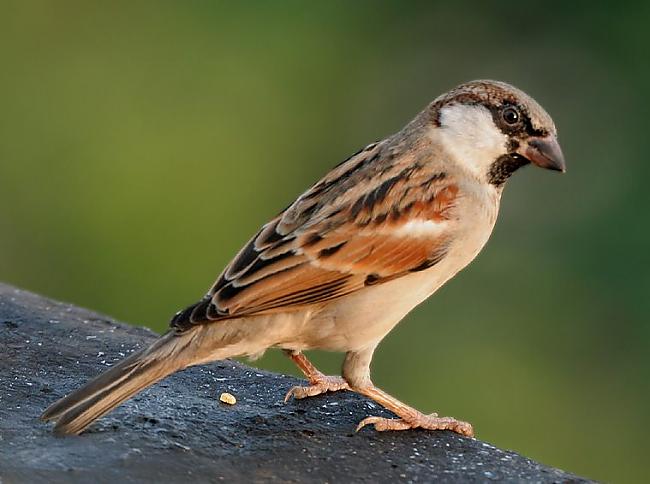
[(469, 134)]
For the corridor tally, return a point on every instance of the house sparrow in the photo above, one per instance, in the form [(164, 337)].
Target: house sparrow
[(345, 262)]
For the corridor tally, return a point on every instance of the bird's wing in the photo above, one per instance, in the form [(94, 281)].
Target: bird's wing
[(358, 226)]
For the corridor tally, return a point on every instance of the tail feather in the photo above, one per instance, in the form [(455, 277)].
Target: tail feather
[(78, 410)]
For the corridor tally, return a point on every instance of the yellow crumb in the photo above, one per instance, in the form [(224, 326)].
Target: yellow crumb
[(228, 398)]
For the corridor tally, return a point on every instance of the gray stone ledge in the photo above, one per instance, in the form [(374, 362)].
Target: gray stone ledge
[(179, 431)]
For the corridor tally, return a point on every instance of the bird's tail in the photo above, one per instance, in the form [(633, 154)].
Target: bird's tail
[(82, 407)]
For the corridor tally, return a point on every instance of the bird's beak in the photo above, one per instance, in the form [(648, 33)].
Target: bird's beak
[(544, 152)]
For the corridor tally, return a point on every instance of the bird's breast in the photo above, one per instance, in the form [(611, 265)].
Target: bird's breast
[(363, 318)]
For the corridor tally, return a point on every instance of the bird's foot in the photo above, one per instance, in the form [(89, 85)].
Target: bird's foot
[(318, 384), (428, 422)]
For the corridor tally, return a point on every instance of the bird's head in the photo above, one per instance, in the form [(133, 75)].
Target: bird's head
[(493, 128)]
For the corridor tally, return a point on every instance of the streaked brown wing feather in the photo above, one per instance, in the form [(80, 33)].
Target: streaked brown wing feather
[(334, 240)]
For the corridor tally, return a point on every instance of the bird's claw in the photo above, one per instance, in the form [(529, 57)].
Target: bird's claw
[(322, 385), (428, 422)]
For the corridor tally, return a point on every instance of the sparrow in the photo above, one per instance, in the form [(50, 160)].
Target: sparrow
[(351, 256)]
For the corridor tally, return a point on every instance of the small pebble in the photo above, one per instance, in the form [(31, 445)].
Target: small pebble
[(228, 398)]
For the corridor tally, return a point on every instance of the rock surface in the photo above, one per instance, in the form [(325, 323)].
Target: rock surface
[(179, 431)]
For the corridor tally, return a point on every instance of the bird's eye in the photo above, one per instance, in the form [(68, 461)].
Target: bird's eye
[(511, 115)]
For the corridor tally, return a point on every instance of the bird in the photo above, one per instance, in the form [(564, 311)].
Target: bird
[(352, 256)]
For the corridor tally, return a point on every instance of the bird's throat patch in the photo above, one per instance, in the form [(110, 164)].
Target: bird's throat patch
[(503, 167)]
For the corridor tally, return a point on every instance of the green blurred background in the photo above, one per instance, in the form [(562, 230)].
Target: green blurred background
[(142, 143)]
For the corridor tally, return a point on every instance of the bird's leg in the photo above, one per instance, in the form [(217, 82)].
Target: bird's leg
[(318, 382), (356, 371)]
